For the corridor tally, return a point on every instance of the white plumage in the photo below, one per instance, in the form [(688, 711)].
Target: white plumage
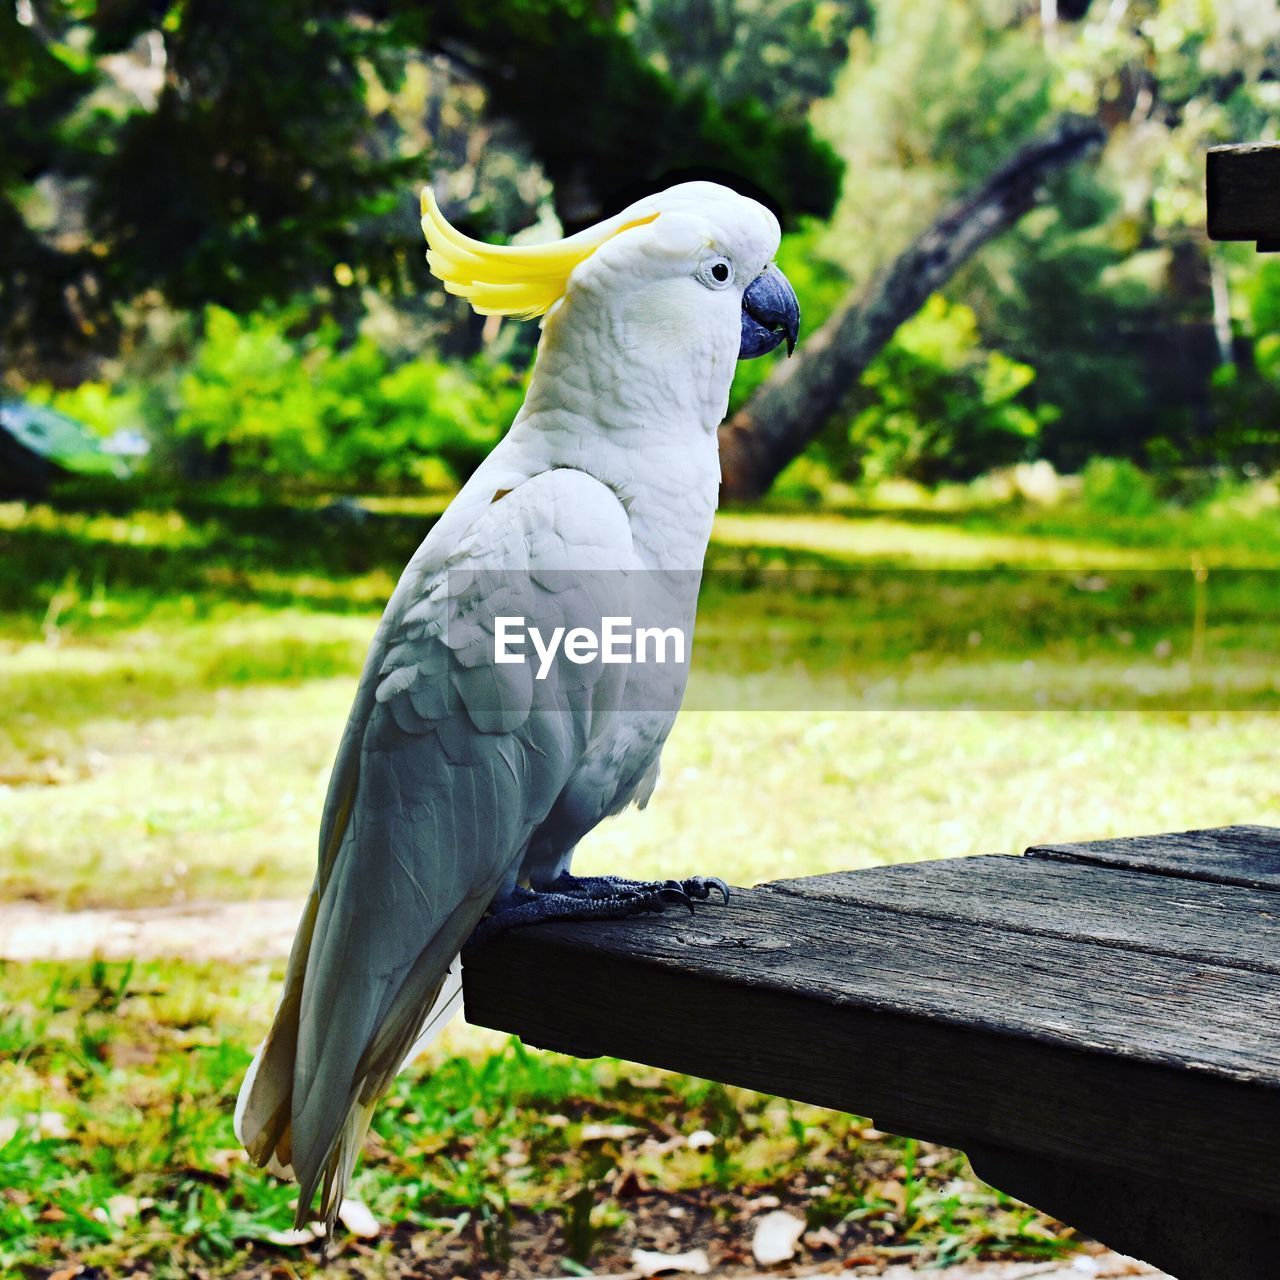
[(458, 778)]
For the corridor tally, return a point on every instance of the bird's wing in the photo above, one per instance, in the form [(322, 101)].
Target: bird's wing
[(448, 763)]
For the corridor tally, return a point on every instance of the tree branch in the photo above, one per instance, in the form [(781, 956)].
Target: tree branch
[(794, 403)]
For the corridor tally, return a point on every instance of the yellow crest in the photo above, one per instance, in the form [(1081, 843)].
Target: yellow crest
[(509, 279)]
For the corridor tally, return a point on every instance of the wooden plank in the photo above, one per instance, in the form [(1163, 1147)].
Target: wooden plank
[(1245, 856), (955, 1032), (1242, 186), (1198, 1233), (1081, 996), (1191, 919)]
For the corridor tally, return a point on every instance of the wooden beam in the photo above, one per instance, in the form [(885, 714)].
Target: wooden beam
[(939, 1021), (1242, 188), (1096, 1024), (1078, 899), (1246, 856)]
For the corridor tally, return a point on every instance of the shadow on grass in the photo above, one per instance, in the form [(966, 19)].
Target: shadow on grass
[(109, 561)]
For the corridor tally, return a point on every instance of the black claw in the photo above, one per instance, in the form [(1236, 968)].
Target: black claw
[(674, 891), (700, 887)]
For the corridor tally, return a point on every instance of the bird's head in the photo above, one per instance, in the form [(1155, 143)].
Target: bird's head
[(682, 274)]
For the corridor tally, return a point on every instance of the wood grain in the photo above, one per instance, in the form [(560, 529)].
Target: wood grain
[(955, 1029), (1242, 185), (1245, 856), (1192, 920)]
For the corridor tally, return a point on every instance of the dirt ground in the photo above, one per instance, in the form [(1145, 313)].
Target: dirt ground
[(1101, 1266), (263, 930), (230, 931)]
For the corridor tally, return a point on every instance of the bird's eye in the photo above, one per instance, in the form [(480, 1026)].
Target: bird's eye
[(716, 273)]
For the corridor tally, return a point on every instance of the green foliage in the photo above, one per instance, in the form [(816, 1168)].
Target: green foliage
[(1262, 297), (938, 405), (1116, 487), (117, 1152), (602, 121), (1105, 292), (1245, 422), (101, 406), (307, 410), (940, 93), (783, 53), (1056, 295), (234, 154), (257, 404)]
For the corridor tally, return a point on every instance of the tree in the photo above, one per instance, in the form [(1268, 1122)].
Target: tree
[(226, 152), (1111, 292), (795, 403)]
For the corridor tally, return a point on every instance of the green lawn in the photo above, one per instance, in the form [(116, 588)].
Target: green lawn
[(118, 1151), (869, 687)]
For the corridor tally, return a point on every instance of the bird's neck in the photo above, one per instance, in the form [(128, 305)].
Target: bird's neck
[(644, 425), (657, 452)]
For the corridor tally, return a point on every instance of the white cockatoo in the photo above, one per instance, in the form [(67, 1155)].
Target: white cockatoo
[(462, 783)]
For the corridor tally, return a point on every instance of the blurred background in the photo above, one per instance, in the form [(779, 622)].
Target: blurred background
[(1010, 578)]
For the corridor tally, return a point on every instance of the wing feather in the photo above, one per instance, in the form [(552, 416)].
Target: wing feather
[(448, 764)]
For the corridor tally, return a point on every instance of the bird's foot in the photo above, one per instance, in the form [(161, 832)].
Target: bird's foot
[(593, 898), (695, 889)]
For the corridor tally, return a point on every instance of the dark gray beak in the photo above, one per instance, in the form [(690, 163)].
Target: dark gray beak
[(770, 312)]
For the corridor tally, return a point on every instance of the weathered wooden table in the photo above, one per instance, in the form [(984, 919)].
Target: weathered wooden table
[(1097, 1025)]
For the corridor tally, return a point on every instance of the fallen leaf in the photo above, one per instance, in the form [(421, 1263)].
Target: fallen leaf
[(9, 1126), (701, 1139), (776, 1237), (628, 1184), (608, 1132), (291, 1239), (693, 1263), (823, 1238), (51, 1124), (224, 1157), (862, 1258), (119, 1210), (67, 1273), (652, 1147), (357, 1218), (894, 1192)]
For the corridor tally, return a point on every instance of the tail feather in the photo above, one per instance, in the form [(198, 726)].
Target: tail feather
[(448, 1002), (336, 1170), (263, 1115), (339, 1167), (262, 1123)]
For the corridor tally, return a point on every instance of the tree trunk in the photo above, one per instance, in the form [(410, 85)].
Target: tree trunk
[(795, 402)]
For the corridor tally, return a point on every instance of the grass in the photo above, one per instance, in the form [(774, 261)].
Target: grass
[(869, 687), (175, 681), (116, 1149)]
